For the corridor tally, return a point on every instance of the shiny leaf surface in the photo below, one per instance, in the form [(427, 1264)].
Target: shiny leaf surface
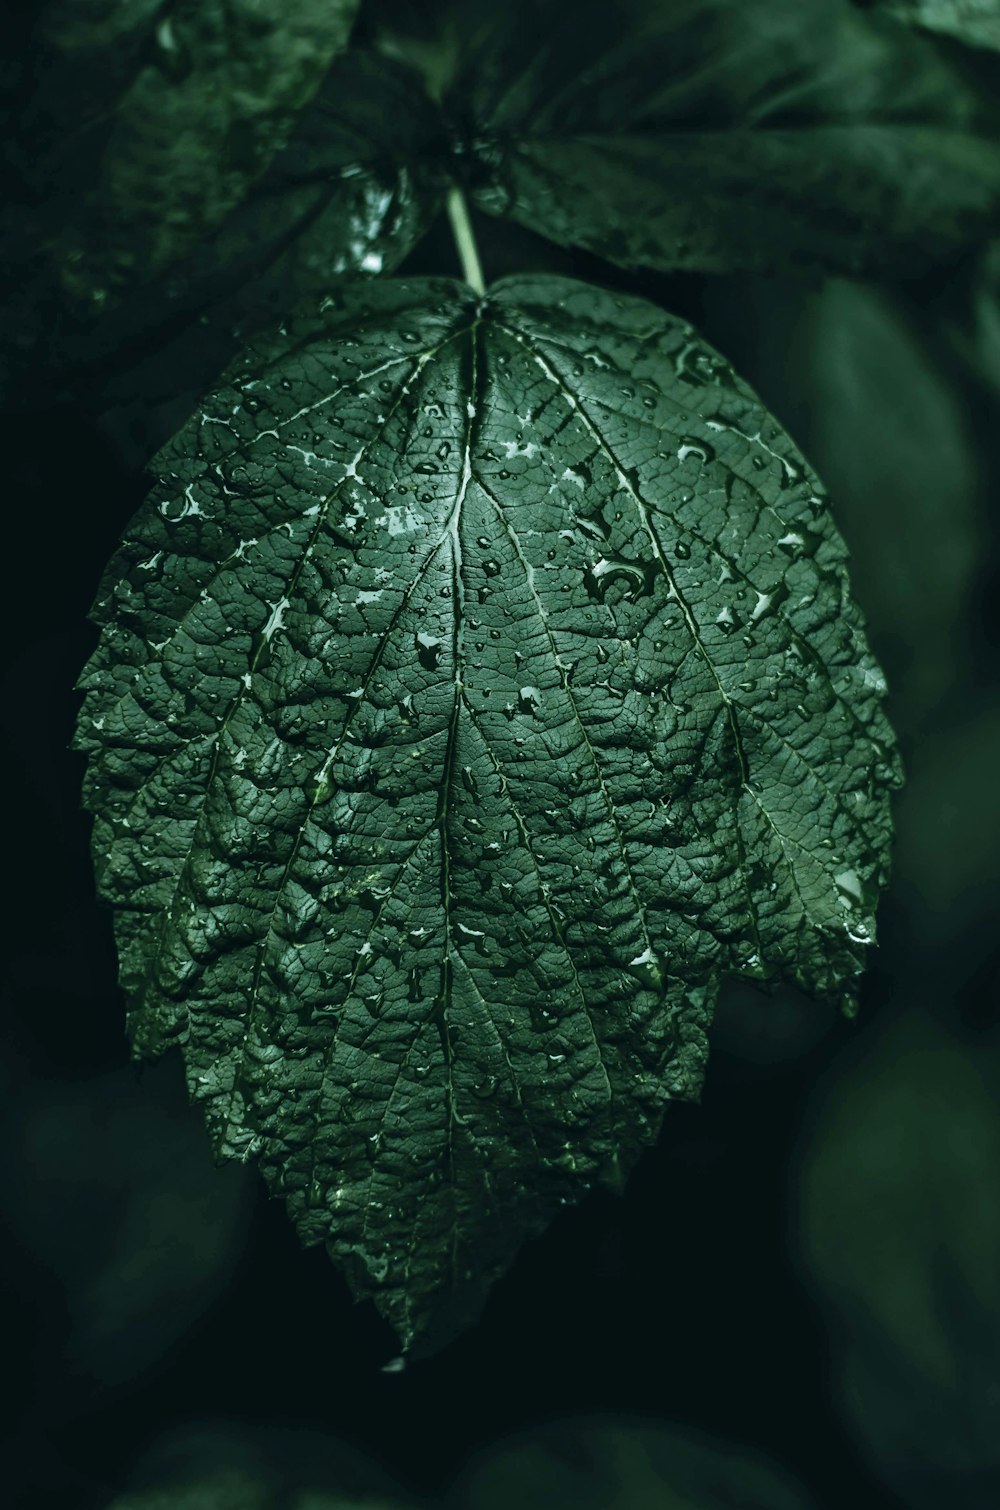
[(478, 687)]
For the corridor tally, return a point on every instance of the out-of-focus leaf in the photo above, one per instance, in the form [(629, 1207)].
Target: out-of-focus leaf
[(948, 826), (771, 1029), (714, 134), (887, 432), (233, 1489), (479, 686), (156, 1227), (606, 1464), (974, 21), (227, 1490), (213, 99), (899, 1196), (986, 307), (220, 1465), (351, 193)]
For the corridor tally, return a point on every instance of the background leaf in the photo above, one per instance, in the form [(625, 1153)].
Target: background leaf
[(974, 21), (350, 194), (162, 1232), (478, 687), (220, 1465), (901, 1238), (859, 369), (608, 1464), (215, 90), (644, 133)]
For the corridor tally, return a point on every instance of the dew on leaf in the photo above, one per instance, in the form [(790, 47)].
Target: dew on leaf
[(639, 577)]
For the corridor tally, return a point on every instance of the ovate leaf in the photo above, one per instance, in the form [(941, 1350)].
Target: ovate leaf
[(713, 135), (478, 687)]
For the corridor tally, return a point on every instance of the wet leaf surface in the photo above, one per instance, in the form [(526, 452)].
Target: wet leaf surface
[(479, 686)]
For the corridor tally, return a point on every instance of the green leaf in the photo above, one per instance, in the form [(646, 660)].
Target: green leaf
[(223, 1465), (854, 360), (974, 21), (984, 351), (349, 194), (477, 688), (212, 100), (237, 1490), (900, 1243), (713, 136), (600, 1463)]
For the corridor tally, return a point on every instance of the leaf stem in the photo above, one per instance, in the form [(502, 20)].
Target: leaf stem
[(465, 241)]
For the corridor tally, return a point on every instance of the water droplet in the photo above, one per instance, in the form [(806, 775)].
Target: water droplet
[(599, 575), (728, 619), (769, 602), (646, 969), (696, 365), (428, 648), (592, 522), (469, 780), (700, 449), (799, 541)]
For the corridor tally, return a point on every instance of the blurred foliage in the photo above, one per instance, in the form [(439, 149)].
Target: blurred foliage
[(218, 1465), (622, 1464), (974, 21), (889, 438), (109, 1184), (162, 117), (975, 327), (899, 1230), (948, 832), (579, 1463), (855, 370)]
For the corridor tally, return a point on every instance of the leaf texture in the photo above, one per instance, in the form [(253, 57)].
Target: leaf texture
[(477, 689)]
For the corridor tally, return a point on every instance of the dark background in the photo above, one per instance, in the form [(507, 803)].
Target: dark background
[(807, 1262)]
